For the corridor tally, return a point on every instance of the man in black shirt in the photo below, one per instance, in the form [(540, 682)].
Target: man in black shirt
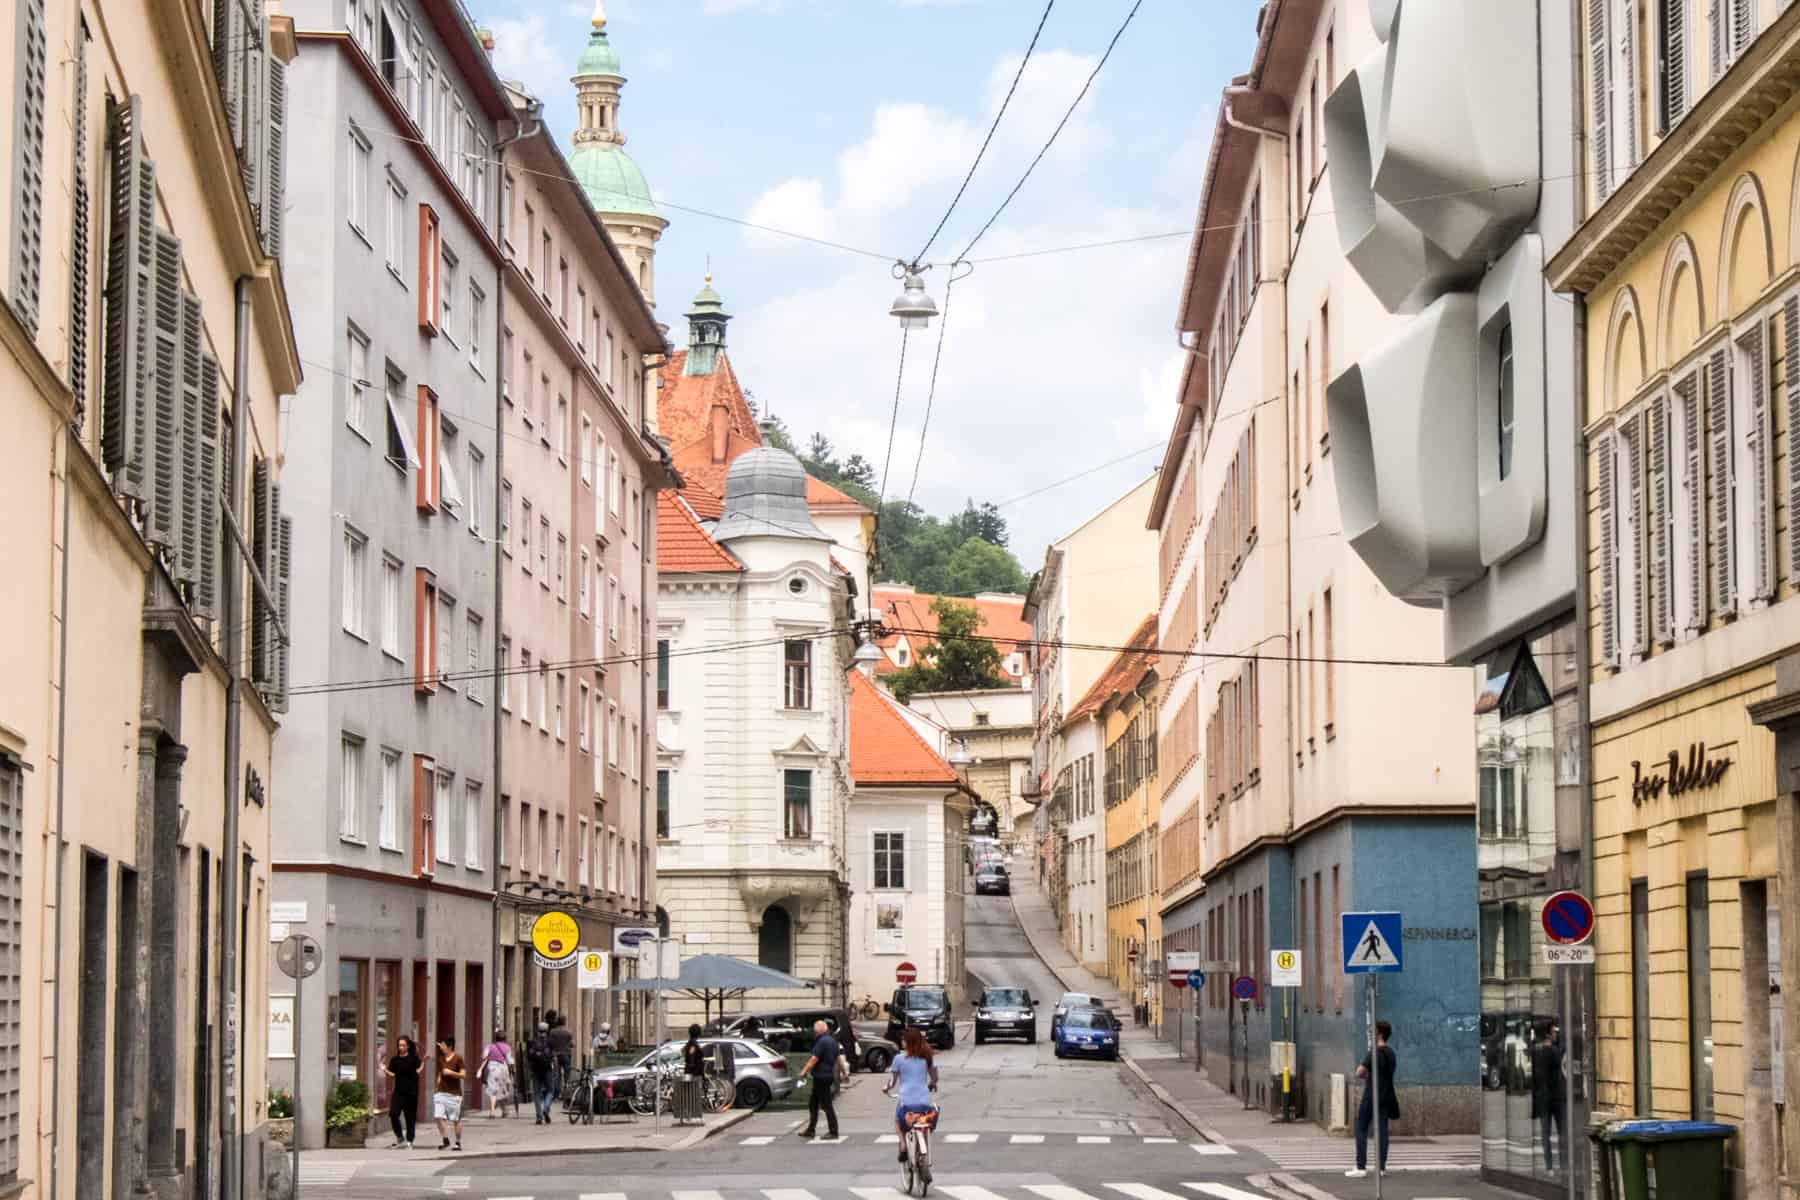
[(821, 1071), (1365, 1113)]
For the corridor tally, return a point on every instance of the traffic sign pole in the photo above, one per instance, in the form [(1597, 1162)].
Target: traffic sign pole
[(1375, 1109)]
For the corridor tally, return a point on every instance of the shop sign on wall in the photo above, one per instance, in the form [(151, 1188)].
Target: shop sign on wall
[(1675, 775)]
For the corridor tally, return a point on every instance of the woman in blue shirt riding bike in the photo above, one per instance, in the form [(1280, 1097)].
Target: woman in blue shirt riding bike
[(916, 1076)]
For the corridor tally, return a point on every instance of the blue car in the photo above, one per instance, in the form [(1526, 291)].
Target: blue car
[(1087, 1031)]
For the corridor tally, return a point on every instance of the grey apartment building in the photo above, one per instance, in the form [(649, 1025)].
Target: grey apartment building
[(383, 848)]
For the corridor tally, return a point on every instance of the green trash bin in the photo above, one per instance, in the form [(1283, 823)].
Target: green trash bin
[(1663, 1160)]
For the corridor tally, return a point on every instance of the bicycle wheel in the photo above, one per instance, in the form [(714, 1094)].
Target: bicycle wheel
[(906, 1166), (717, 1094), (643, 1097), (577, 1102)]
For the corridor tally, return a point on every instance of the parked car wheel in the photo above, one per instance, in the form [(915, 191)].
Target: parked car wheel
[(876, 1060), (752, 1093), (978, 1038), (1059, 1050)]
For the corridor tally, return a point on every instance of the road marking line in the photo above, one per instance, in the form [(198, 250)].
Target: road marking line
[(696, 1195), (513, 1198), (762, 1140), (1027, 1139), (1143, 1191), (1159, 1141), (788, 1194), (887, 1139), (1212, 1148), (879, 1193), (1300, 1188), (1268, 1184), (1057, 1191), (1223, 1191), (961, 1137), (1093, 1140), (966, 1192), (601, 1196)]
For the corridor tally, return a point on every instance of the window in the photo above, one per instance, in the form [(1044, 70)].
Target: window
[(614, 734), (431, 266), (797, 661), (583, 716), (350, 764), (472, 656), (562, 291), (562, 428), (543, 696), (476, 490), (357, 384), (447, 290), (1669, 104), (507, 830), (424, 631), (544, 267), (581, 851), (562, 696), (390, 800), (663, 780), (356, 582), (581, 582), (396, 228), (611, 358), (1337, 911), (1699, 989), (796, 804), (890, 859), (587, 450), (525, 840), (525, 683), (450, 492), (527, 380), (1330, 668), (612, 607), (543, 840), (441, 820), (506, 506), (390, 606), (446, 647), (662, 674), (602, 463), (1640, 996), (472, 826), (562, 568), (525, 535), (401, 451), (1504, 408), (477, 321), (429, 483), (505, 674), (581, 320), (557, 852), (613, 474), (543, 550)]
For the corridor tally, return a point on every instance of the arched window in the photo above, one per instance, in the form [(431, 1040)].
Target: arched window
[(662, 921), (775, 941)]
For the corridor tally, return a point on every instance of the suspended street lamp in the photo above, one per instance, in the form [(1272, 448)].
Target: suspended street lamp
[(914, 308)]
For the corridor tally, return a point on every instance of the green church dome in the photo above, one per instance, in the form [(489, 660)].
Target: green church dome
[(613, 183), (599, 58)]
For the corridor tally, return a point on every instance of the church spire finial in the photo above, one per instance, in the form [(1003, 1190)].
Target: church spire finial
[(599, 14)]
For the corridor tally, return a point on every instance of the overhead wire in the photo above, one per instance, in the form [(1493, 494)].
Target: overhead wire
[(931, 392), (1161, 652)]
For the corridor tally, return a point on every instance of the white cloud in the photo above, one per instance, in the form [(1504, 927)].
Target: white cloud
[(525, 51)]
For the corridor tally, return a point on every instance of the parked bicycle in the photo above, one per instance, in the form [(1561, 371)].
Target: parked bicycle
[(868, 1008), (583, 1098)]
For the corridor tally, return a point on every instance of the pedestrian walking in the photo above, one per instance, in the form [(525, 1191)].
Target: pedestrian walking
[(562, 1044), (822, 1071), (540, 1056), (1366, 1111), (403, 1094), (1549, 1089), (447, 1099), (497, 1075)]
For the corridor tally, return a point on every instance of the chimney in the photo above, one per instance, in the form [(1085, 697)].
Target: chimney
[(719, 426)]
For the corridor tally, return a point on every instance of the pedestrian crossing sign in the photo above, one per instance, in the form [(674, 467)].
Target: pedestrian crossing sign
[(1371, 942)]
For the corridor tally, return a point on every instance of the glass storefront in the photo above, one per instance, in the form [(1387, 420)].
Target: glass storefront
[(1528, 746)]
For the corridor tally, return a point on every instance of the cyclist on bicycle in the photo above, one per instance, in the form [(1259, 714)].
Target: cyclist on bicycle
[(916, 1076)]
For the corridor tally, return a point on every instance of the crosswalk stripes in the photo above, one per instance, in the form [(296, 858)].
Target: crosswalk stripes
[(1254, 1187), (961, 1138), (454, 1183), (1223, 1191), (325, 1173), (887, 1139), (1212, 1148), (1309, 1154), (1016, 1139), (879, 1193), (1159, 1141), (1143, 1191), (1093, 1140), (1027, 1139), (601, 1196), (963, 1191)]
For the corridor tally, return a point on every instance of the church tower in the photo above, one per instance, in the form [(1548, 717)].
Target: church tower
[(613, 183), (706, 331)]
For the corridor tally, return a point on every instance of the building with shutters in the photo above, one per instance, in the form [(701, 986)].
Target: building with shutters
[(149, 348), (1686, 263), (386, 847), (579, 471), (1298, 780)]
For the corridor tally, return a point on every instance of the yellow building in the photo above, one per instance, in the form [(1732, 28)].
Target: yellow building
[(1123, 701), (1687, 262)]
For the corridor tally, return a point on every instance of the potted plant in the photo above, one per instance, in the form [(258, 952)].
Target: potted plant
[(281, 1117), (347, 1115)]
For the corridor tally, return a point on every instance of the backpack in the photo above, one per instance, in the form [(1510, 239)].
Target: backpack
[(539, 1054)]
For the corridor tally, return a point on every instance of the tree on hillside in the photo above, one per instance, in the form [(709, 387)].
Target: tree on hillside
[(981, 566), (958, 659)]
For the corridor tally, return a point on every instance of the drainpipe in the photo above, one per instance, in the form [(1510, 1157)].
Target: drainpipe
[(1577, 1103), (70, 440), (1233, 92), (230, 850)]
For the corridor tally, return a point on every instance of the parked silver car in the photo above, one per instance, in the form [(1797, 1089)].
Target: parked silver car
[(759, 1071)]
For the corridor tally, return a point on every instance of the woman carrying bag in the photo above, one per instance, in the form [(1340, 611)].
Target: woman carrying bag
[(497, 1075)]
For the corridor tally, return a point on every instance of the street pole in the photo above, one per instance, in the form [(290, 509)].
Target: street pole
[(1199, 1041), (299, 1065), (1375, 1110), (1287, 1065), (1244, 1021)]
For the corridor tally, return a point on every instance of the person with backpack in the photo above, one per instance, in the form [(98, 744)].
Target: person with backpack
[(540, 1056)]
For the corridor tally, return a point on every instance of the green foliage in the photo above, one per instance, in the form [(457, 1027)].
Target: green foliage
[(348, 1104), (281, 1104), (957, 659)]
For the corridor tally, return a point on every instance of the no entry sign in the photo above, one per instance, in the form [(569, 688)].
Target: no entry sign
[(1177, 977), (905, 973), (1568, 919)]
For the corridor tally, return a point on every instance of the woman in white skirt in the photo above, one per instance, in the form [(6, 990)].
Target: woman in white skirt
[(497, 1075)]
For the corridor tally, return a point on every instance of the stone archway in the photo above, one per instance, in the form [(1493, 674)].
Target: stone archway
[(775, 939)]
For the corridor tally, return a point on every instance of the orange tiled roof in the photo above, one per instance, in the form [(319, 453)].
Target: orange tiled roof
[(1003, 620), (1122, 674), (707, 504), (884, 749), (681, 544)]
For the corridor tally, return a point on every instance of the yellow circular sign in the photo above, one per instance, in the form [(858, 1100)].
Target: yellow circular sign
[(591, 962), (555, 936), (1285, 960)]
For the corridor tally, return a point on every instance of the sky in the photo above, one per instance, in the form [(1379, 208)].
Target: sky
[(854, 121)]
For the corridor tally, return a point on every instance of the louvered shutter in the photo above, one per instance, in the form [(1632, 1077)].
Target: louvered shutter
[(1743, 26), (190, 532), (1723, 545), (1631, 535), (80, 222), (162, 516), (1660, 577), (212, 463), (275, 155), (1607, 514), (130, 275), (282, 583), (1600, 97), (28, 159), (1671, 67), (1715, 26), (1625, 95), (250, 102), (228, 63), (263, 532), (1790, 321), (1759, 447), (1693, 488)]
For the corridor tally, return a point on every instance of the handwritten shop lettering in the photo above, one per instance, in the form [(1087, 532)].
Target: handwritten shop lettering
[(1676, 775)]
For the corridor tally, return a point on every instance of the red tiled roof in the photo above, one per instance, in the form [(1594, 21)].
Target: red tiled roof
[(1003, 620), (707, 504), (681, 544), (884, 749), (1122, 674), (821, 495)]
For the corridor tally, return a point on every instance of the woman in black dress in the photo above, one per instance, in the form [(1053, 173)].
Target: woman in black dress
[(403, 1099)]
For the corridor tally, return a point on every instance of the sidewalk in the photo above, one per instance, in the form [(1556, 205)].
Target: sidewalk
[(505, 1137)]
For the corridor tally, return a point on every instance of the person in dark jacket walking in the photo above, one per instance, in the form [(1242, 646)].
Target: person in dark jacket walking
[(1366, 1112), (1548, 1088), (403, 1097), (822, 1071), (540, 1056)]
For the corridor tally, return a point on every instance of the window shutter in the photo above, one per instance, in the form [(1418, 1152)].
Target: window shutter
[(1790, 320), (263, 532), (162, 516), (1671, 67), (212, 483), (1661, 576), (28, 160), (1604, 465), (250, 110), (282, 585), (1719, 482), (228, 35), (1743, 25), (80, 225), (1632, 542), (190, 525), (1759, 441), (275, 150), (1715, 24), (1625, 95), (1693, 452), (1600, 97), (130, 277)]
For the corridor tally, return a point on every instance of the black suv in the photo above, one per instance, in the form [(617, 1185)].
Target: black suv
[(991, 879), (925, 1007), (1005, 1012)]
